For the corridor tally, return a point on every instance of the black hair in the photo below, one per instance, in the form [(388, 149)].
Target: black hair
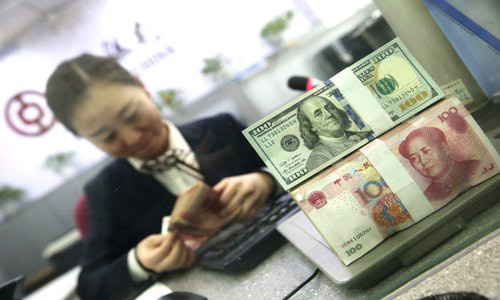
[(67, 85)]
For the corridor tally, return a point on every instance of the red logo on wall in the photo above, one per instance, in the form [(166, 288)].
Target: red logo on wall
[(27, 114)]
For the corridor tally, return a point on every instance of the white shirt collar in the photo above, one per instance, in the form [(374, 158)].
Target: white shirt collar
[(174, 179), (175, 141)]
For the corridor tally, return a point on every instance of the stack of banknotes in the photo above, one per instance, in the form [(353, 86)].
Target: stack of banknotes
[(197, 212), (357, 171), (327, 123), (398, 179), (196, 215)]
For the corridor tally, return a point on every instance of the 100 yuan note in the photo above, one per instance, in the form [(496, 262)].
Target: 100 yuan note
[(352, 207), (342, 114), (398, 179), (443, 151)]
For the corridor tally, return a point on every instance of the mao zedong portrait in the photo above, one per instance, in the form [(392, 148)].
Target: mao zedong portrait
[(429, 153), (323, 128)]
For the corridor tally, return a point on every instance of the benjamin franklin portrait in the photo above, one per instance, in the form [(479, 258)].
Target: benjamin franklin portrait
[(323, 127)]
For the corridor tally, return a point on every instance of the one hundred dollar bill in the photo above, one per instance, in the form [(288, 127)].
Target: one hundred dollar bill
[(342, 114), (398, 179)]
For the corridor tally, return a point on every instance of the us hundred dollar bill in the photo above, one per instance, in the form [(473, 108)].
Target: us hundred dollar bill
[(342, 114)]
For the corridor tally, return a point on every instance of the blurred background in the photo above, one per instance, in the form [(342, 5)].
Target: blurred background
[(196, 58)]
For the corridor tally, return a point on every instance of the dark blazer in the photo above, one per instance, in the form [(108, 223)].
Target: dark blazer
[(125, 206)]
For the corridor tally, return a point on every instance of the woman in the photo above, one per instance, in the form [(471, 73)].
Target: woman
[(96, 98)]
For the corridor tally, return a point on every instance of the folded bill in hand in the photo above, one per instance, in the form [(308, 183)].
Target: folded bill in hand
[(197, 212)]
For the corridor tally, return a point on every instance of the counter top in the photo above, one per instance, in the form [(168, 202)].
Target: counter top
[(287, 268), (475, 269)]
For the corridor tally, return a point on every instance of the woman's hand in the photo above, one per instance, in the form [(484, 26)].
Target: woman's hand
[(164, 252), (244, 195)]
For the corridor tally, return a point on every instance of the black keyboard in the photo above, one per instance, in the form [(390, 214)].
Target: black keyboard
[(240, 247)]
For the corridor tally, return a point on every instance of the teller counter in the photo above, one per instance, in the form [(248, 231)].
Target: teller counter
[(466, 262)]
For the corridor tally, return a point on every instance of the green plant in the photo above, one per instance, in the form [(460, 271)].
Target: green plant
[(170, 98), (273, 29), (59, 161), (213, 65), (9, 194)]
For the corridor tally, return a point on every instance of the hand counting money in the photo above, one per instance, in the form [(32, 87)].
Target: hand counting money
[(398, 179), (196, 211), (341, 115)]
